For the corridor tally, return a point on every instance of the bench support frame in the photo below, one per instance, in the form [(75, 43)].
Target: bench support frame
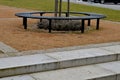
[(89, 17)]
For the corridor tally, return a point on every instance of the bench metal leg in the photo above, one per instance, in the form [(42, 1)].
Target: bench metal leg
[(50, 25), (89, 22), (97, 24), (25, 23), (83, 26), (41, 14), (67, 14)]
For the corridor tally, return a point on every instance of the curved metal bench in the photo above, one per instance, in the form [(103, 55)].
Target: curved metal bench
[(88, 16)]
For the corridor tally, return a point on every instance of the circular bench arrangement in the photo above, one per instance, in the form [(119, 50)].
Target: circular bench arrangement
[(40, 15)]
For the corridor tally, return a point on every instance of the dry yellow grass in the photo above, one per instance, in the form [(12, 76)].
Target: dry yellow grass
[(13, 34)]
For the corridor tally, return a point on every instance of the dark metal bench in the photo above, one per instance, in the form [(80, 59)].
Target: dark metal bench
[(88, 16)]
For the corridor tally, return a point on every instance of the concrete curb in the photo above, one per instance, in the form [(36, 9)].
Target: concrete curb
[(57, 60), (31, 52), (7, 49)]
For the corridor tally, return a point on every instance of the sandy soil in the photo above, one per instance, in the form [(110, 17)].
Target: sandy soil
[(13, 34)]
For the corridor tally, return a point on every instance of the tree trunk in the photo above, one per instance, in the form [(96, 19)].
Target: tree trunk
[(56, 7), (60, 8), (68, 8)]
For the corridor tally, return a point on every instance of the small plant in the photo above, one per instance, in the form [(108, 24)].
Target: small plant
[(61, 25)]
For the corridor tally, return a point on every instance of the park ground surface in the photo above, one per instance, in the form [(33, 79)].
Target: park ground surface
[(13, 34)]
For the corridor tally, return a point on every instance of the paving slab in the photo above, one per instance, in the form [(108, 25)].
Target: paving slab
[(24, 60), (115, 48), (92, 52), (21, 77), (112, 66), (91, 72), (25, 64), (111, 77), (83, 57)]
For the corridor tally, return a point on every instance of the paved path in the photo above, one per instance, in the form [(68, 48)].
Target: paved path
[(106, 5)]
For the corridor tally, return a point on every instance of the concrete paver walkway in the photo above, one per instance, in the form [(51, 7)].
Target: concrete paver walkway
[(101, 63)]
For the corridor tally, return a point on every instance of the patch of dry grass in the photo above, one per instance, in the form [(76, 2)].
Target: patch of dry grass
[(13, 34)]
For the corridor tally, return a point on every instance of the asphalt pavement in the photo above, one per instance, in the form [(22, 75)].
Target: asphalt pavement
[(105, 5)]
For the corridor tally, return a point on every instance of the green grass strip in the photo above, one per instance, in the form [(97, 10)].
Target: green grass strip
[(48, 5)]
